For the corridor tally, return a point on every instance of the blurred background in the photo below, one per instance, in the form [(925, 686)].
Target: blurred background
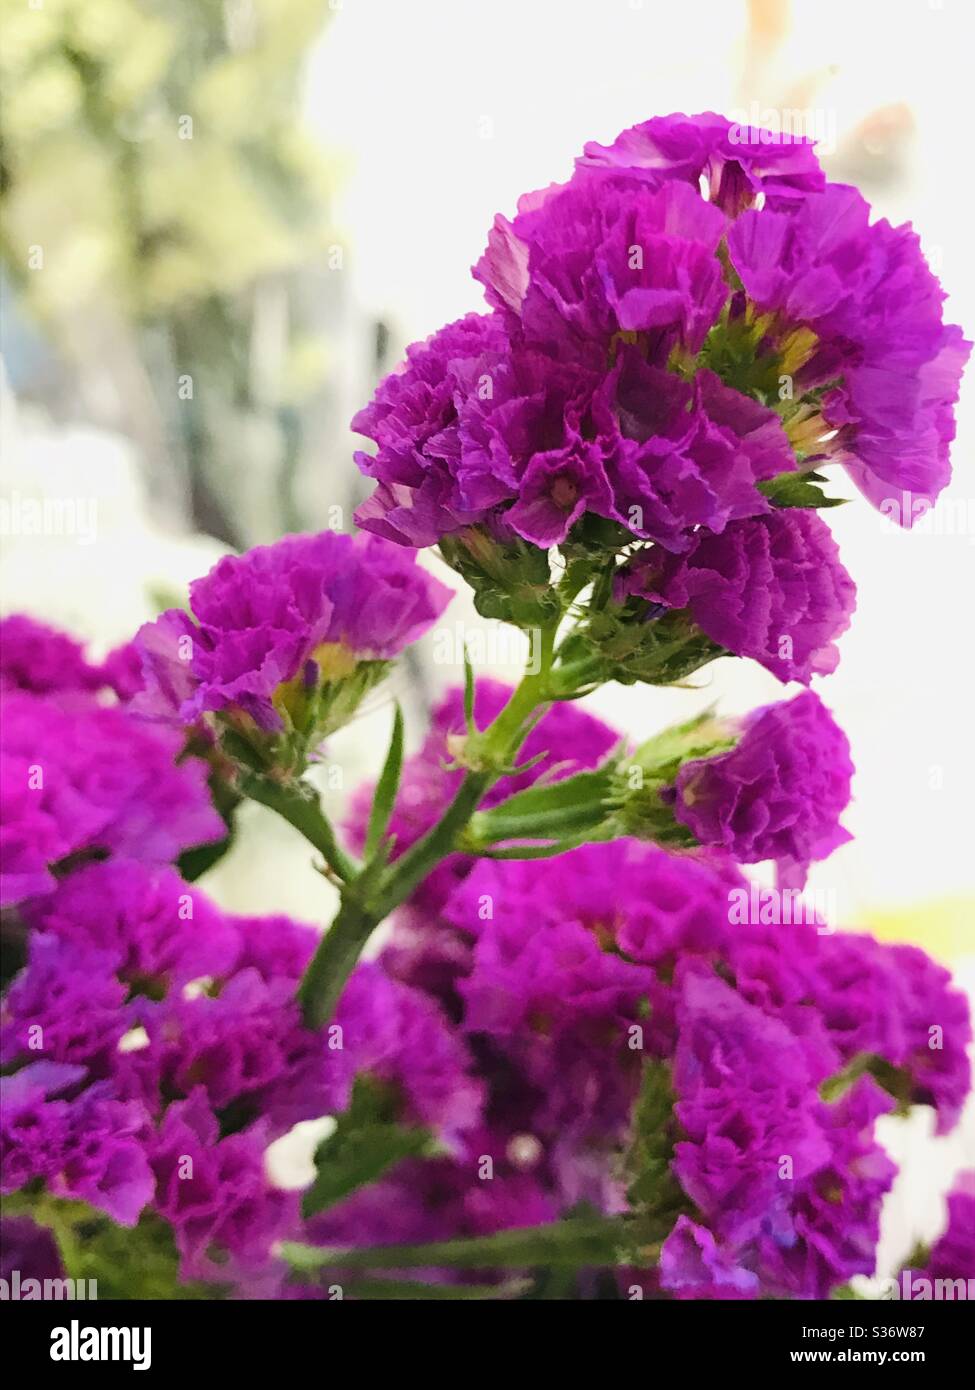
[(223, 220)]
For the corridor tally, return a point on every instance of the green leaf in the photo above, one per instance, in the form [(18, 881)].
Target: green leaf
[(366, 1142), (386, 788), (653, 1190), (550, 810), (468, 693), (896, 1082), (798, 490), (575, 1242), (141, 1262)]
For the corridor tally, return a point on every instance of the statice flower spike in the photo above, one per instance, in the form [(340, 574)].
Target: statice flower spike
[(771, 588), (282, 643), (777, 794)]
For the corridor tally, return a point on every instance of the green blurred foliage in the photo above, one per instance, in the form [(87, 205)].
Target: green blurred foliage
[(152, 149), (153, 154)]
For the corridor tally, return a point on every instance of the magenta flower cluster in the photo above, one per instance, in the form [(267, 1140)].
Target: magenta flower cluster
[(305, 609), (694, 318), (586, 1021), (80, 779), (174, 1054)]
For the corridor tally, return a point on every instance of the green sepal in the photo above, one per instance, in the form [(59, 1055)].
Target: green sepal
[(630, 646), (798, 490), (511, 580), (652, 1189), (894, 1080)]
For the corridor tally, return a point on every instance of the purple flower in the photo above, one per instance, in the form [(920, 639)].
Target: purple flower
[(953, 1255), (778, 794), (29, 1250), (413, 421), (606, 257), (90, 1148), (769, 587), (739, 162), (560, 403), (745, 1100), (122, 670), (66, 1006), (276, 947), (640, 904), (215, 1194), (550, 994), (532, 977), (689, 246), (247, 1048), (78, 778), (681, 455), (693, 1266), (871, 311), (273, 625), (836, 1210), (156, 931), (935, 1031), (42, 660), (526, 439)]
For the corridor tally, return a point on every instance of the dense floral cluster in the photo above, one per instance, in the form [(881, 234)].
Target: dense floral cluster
[(174, 1054), (569, 958), (272, 629), (657, 349), (80, 779), (778, 794), (771, 588), (573, 1023)]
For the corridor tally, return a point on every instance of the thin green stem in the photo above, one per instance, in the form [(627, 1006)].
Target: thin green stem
[(299, 805), (492, 753), (333, 962), (408, 871), (571, 1242)]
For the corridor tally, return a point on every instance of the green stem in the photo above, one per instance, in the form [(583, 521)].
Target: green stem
[(422, 857), (493, 750), (572, 1242), (333, 962), (299, 805)]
